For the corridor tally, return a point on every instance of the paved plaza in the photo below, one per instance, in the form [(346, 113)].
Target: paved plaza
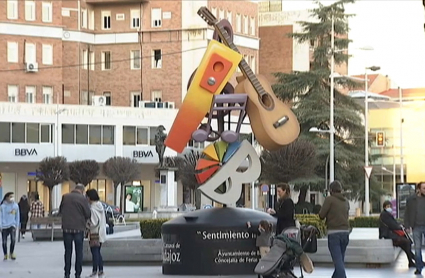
[(45, 259)]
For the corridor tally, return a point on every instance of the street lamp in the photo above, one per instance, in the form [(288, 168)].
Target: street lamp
[(366, 128), (394, 179)]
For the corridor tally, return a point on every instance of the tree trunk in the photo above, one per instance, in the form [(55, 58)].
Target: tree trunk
[(198, 195), (186, 195), (50, 199), (115, 194), (303, 194), (122, 197)]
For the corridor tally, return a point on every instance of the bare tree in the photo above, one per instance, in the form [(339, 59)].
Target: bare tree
[(121, 170), (186, 173), (83, 171), (292, 162), (52, 171)]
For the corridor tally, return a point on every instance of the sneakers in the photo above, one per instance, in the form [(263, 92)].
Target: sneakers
[(5, 258), (13, 256), (94, 274), (417, 272), (101, 274)]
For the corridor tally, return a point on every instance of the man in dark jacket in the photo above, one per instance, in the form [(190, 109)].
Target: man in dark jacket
[(335, 210), (75, 211), (414, 218), (390, 229)]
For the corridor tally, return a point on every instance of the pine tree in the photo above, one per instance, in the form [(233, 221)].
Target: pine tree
[(309, 93)]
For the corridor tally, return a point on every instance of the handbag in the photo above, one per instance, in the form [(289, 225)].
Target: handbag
[(94, 240)]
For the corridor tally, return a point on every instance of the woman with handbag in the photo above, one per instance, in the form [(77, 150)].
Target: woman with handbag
[(97, 232), (390, 229)]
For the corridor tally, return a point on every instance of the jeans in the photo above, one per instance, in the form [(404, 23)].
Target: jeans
[(77, 239), (418, 232), (337, 244), (5, 233), (97, 258)]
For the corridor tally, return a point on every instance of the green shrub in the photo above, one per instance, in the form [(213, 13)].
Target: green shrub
[(313, 220), (366, 222), (151, 228)]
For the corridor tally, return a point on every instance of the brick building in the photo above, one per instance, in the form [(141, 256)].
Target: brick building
[(126, 50)]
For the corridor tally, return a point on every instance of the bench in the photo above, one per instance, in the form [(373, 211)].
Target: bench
[(49, 228), (127, 251)]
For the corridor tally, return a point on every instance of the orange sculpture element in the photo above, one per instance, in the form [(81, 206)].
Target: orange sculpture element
[(215, 155), (213, 73)]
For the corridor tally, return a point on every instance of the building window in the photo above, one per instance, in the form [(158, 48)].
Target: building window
[(135, 99), (46, 11), (152, 132), (106, 60), (12, 93), (108, 135), (245, 24), (129, 135), (229, 17), (135, 19), (33, 133), (106, 20), (107, 95), (252, 64), (30, 53), (220, 14), (156, 16), (47, 54), (135, 59), (12, 9), (95, 134), (12, 52), (156, 59), (18, 132), (252, 25), (84, 18), (81, 134), (238, 23), (30, 94), (46, 133), (142, 136), (68, 134), (5, 132), (47, 95), (85, 59), (29, 10), (92, 61), (157, 96), (91, 20)]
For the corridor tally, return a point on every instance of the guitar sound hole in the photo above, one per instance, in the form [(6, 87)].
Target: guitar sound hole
[(266, 101)]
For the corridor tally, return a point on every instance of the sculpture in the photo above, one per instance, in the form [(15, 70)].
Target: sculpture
[(159, 144)]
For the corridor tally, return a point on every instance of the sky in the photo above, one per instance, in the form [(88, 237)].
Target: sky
[(395, 30)]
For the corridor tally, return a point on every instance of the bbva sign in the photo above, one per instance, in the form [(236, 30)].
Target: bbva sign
[(25, 152), (142, 154)]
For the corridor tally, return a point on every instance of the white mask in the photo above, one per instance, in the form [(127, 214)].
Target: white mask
[(12, 199), (389, 210)]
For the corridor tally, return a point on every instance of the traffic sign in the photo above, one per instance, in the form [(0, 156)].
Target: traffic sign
[(264, 188), (368, 170), (273, 190)]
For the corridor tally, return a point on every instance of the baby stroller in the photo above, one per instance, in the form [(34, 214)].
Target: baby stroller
[(285, 252)]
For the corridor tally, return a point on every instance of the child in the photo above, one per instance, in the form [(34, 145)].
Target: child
[(264, 234)]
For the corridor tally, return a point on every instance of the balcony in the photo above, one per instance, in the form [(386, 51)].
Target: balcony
[(100, 2)]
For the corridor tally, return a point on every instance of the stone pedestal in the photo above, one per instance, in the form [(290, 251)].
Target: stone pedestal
[(168, 187), (211, 242)]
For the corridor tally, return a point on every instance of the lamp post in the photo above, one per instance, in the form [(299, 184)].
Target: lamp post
[(394, 179), (331, 117), (56, 190), (366, 149)]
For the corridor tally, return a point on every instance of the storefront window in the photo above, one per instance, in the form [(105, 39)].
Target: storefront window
[(104, 189), (43, 191)]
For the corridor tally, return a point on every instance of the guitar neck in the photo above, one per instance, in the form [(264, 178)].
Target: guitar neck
[(243, 65)]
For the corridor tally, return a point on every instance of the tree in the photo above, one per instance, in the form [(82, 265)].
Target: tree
[(294, 163), (186, 174), (52, 171), (121, 170), (83, 171), (309, 93)]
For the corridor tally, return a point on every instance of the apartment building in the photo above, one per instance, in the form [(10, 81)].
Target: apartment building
[(127, 51)]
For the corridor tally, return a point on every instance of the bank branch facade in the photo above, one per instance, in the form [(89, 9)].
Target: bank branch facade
[(28, 133)]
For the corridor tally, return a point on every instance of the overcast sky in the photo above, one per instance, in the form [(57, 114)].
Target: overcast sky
[(393, 28)]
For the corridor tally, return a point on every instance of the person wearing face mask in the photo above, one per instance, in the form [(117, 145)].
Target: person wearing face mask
[(284, 209), (390, 229), (414, 219), (9, 216)]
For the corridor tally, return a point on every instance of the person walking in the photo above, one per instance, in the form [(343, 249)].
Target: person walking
[(284, 209), (390, 229), (414, 219), (75, 212), (37, 210), (97, 232), (9, 222), (335, 210), (24, 210)]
